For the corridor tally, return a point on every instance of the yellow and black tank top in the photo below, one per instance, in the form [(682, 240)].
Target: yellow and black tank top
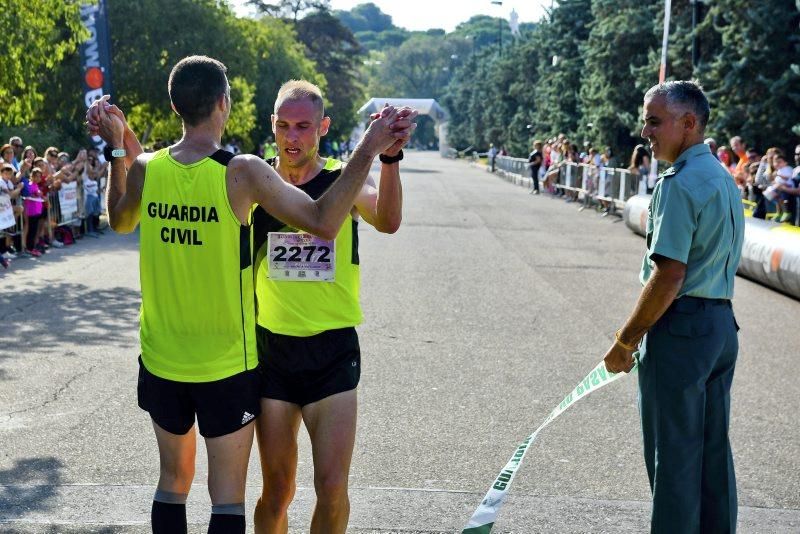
[(198, 310), (305, 307)]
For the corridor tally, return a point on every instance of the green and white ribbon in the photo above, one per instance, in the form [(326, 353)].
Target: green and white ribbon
[(484, 516)]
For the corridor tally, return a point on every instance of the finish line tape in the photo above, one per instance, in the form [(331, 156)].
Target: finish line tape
[(484, 516)]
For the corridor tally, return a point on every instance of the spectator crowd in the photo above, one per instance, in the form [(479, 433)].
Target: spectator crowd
[(29, 186), (769, 183)]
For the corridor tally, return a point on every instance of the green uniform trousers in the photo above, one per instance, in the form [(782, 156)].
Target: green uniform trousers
[(686, 365)]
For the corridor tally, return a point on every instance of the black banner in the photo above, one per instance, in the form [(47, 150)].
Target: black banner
[(96, 57)]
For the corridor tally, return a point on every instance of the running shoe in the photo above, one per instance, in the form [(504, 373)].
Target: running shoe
[(57, 243), (35, 253), (4, 262)]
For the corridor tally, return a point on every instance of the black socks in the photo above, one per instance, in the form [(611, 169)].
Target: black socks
[(168, 518), (168, 515), (226, 524)]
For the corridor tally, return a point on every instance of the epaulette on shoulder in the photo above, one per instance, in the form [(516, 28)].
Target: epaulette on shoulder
[(672, 171)]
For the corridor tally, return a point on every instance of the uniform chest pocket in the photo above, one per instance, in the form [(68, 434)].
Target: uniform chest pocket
[(689, 325)]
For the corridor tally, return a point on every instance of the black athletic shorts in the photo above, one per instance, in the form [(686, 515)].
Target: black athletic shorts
[(302, 370), (222, 407)]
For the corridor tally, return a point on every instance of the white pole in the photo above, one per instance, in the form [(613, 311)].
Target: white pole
[(662, 73)]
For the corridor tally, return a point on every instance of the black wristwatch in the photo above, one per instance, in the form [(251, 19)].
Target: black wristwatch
[(391, 159), (113, 153)]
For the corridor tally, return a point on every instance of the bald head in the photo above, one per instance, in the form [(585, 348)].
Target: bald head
[(297, 90)]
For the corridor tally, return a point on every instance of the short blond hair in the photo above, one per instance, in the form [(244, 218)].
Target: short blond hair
[(294, 90)]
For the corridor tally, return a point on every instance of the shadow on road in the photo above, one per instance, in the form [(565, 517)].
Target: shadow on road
[(28, 486), (45, 319), (421, 171), (85, 246)]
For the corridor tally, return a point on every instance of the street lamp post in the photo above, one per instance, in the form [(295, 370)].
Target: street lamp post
[(471, 40), (697, 15), (499, 29)]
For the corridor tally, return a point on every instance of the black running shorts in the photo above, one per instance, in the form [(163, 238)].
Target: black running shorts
[(302, 370), (222, 407)]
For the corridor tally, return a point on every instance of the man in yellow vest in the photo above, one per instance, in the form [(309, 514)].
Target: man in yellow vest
[(193, 203), (308, 306), (270, 149)]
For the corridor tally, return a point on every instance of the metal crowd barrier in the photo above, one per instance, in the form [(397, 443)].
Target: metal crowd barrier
[(66, 207), (17, 231), (770, 253), (592, 184), (70, 215)]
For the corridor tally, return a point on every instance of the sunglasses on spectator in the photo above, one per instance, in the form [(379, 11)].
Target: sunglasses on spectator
[(16, 145)]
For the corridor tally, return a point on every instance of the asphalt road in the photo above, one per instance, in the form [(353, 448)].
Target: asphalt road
[(483, 311)]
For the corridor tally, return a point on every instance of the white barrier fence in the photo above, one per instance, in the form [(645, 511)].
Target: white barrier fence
[(11, 219), (65, 207), (770, 252), (591, 183)]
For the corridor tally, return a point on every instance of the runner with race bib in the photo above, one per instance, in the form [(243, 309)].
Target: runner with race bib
[(308, 306)]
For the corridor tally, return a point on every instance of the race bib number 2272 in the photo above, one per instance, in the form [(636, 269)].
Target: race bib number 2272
[(301, 257)]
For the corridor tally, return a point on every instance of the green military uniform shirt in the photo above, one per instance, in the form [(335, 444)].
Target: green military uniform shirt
[(696, 217)]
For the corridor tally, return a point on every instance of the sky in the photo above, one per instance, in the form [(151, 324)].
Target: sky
[(425, 14)]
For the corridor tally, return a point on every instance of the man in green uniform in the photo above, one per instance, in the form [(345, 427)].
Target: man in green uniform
[(308, 307), (193, 203), (683, 323)]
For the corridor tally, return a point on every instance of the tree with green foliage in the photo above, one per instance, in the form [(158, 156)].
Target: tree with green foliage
[(382, 41), (259, 54), (559, 77), (279, 56), (365, 17), (291, 9), (584, 69), (527, 55), (466, 98), (143, 58), (423, 65), (337, 55), (485, 31), (622, 37), (753, 81), (38, 36), (167, 127), (492, 100)]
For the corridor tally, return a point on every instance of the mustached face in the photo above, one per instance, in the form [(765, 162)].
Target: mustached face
[(298, 127)]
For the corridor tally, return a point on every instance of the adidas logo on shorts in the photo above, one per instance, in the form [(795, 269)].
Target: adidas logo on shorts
[(247, 417)]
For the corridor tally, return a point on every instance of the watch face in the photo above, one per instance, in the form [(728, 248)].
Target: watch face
[(118, 153)]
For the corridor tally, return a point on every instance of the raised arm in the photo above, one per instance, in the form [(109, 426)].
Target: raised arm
[(125, 194), (251, 180), (382, 206), (125, 185), (16, 192), (129, 140)]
